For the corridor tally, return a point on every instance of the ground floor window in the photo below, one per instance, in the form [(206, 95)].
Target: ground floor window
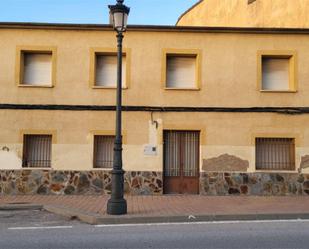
[(37, 151), (275, 153), (103, 153)]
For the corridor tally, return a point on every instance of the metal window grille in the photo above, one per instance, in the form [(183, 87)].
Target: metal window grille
[(181, 149), (275, 153), (172, 153), (37, 151), (103, 151), (191, 147)]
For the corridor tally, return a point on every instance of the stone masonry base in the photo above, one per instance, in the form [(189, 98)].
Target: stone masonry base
[(15, 182), (46, 182), (265, 184)]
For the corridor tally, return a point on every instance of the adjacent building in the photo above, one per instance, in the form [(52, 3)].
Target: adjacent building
[(207, 110), (247, 13)]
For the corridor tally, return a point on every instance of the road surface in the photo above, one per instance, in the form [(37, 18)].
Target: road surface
[(44, 230)]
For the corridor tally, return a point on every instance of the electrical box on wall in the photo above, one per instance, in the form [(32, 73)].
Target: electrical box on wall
[(150, 150)]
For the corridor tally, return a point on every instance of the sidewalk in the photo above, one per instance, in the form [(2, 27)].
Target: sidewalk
[(92, 209)]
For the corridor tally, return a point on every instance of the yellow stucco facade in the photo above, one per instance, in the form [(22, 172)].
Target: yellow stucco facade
[(244, 13), (229, 74)]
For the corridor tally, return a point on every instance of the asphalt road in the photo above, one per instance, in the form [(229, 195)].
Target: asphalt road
[(45, 230)]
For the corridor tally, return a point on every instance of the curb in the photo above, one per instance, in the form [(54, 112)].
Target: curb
[(20, 206), (199, 218), (90, 218), (96, 219)]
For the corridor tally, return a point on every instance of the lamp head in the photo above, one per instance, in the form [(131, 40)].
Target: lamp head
[(119, 16)]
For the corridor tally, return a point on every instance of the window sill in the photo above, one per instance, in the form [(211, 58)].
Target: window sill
[(102, 169), (278, 91), (182, 89), (276, 171), (36, 168), (35, 86), (108, 87)]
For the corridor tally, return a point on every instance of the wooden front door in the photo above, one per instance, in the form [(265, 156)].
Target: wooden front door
[(181, 162)]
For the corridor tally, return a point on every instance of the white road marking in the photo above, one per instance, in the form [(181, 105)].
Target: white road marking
[(166, 224), (202, 223), (37, 228)]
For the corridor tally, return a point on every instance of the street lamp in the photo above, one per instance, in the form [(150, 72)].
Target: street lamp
[(117, 205)]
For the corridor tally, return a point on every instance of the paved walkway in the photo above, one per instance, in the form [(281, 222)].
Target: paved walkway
[(143, 206)]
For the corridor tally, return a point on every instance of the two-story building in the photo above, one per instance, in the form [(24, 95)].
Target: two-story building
[(209, 108)]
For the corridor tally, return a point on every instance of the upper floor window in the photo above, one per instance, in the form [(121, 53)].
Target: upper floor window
[(106, 70), (36, 67), (181, 70), (277, 72), (103, 68)]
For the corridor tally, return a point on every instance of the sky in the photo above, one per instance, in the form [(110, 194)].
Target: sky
[(148, 12)]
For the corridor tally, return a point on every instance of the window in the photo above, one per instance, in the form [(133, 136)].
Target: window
[(181, 72), (35, 66), (103, 68), (37, 69), (103, 155), (37, 151), (181, 69), (275, 153), (277, 72), (106, 70)]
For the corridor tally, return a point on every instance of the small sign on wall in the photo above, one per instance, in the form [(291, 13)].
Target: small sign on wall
[(150, 150)]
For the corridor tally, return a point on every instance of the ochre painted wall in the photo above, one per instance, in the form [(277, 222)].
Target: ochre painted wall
[(229, 79), (228, 68), (238, 13), (221, 133)]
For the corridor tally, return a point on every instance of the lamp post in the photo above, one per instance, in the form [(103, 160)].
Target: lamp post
[(117, 205)]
